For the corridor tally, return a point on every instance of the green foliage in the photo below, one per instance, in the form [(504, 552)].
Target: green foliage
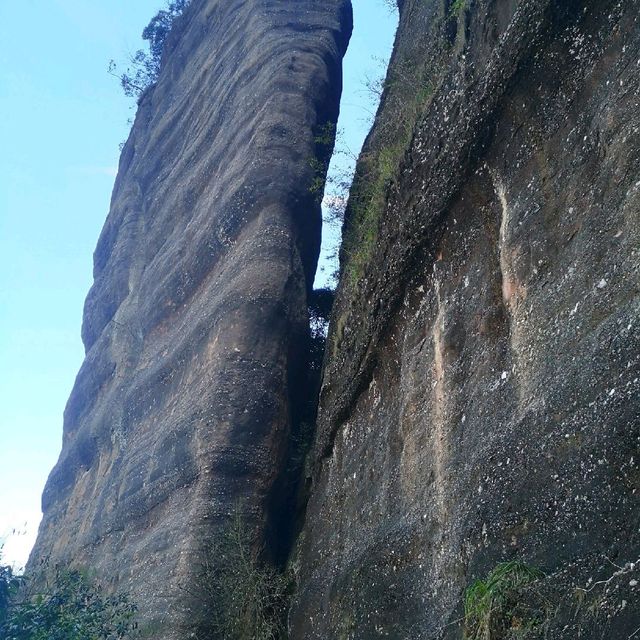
[(319, 163), (9, 585), (249, 598), (368, 206), (319, 169), (407, 91), (144, 67), (69, 607), (492, 607), (457, 7), (325, 135), (369, 199)]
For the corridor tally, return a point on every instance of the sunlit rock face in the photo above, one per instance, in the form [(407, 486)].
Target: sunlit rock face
[(481, 400), (197, 320)]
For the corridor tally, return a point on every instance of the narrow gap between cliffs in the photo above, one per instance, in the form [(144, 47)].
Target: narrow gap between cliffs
[(364, 71)]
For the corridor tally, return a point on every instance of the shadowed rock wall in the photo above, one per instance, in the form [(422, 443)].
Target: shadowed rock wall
[(481, 394), (195, 328)]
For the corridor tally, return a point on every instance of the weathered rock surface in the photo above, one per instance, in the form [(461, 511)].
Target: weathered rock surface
[(197, 318), (481, 398)]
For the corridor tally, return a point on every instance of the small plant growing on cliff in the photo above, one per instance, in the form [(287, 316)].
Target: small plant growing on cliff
[(248, 598), (144, 67), (408, 89), (319, 163), (493, 607), (457, 7)]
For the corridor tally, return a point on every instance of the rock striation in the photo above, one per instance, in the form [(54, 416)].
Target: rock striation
[(196, 326), (481, 400)]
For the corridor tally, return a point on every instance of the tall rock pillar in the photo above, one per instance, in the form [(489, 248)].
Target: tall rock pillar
[(197, 317)]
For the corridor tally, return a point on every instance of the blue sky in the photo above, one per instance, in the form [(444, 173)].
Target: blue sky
[(63, 118)]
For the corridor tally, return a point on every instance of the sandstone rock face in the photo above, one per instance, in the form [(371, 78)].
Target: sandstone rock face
[(197, 320), (481, 398)]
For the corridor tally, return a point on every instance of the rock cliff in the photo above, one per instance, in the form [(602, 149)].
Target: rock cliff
[(195, 328), (474, 471), (480, 402)]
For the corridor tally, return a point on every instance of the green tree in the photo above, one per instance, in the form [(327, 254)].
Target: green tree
[(144, 67), (9, 585), (68, 607)]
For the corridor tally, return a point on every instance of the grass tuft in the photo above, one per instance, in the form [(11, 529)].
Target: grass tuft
[(491, 605)]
